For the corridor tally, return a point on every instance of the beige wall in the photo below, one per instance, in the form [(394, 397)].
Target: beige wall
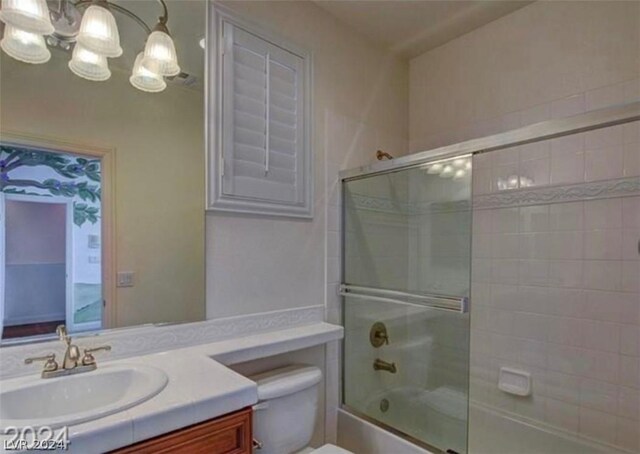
[(360, 101), (548, 59), (159, 174)]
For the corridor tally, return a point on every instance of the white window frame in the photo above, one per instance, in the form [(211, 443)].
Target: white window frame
[(216, 199)]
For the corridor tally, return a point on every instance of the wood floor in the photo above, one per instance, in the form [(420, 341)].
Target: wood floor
[(32, 329)]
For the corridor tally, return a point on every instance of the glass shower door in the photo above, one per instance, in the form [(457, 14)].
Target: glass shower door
[(407, 253)]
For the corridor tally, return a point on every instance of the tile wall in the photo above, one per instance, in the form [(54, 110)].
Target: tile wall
[(556, 286)]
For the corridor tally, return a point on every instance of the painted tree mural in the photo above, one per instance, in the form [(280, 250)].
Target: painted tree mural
[(78, 175)]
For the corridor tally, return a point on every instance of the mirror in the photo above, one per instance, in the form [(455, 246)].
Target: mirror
[(102, 184)]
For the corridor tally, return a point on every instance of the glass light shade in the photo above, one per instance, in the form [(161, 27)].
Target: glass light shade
[(144, 79), (161, 51), (435, 168), (29, 15), (460, 173), (89, 65), (99, 32), (447, 171), (24, 46)]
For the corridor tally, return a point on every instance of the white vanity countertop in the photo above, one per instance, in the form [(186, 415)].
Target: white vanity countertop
[(200, 387)]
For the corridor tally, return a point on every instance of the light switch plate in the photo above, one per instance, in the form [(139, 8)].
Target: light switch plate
[(125, 279)]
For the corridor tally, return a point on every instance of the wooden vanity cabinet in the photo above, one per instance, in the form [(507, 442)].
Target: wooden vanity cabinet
[(229, 434)]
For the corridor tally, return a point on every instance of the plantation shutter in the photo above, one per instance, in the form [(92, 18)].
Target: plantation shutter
[(262, 112)]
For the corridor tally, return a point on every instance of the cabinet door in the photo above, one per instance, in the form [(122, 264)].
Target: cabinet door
[(229, 434)]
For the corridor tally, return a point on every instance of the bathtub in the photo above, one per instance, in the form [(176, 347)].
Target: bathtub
[(441, 418)]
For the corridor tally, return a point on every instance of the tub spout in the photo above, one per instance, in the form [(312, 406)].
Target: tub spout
[(379, 364)]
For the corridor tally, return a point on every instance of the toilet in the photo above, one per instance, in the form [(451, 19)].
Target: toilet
[(285, 416)]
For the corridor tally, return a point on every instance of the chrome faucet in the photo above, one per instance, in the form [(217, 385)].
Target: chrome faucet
[(379, 364), (72, 362)]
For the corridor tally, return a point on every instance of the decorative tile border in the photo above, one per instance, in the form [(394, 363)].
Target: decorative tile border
[(145, 340), (556, 194)]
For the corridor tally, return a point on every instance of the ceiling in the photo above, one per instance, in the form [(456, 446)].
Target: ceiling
[(407, 27), (412, 27)]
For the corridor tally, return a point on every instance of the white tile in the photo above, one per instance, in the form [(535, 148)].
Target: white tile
[(535, 150), (604, 97), (565, 245), (481, 244), (566, 107), (631, 212), (504, 296), (531, 299), (603, 214), (563, 415), (598, 425), (562, 387), (534, 218), (505, 245), (567, 302), (630, 371), (482, 221), (602, 275), (536, 171), (598, 395), (628, 403), (599, 335), (530, 326), (630, 340), (535, 245), (534, 272), (631, 159), (631, 132), (333, 243), (505, 156), (505, 220), (565, 331), (631, 276), (504, 177), (603, 244), (504, 271), (566, 216), (567, 166), (566, 273), (612, 306), (604, 137), (604, 163), (628, 435), (630, 239), (535, 114), (481, 180)]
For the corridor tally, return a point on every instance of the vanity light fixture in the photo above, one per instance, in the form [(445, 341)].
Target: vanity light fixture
[(96, 37)]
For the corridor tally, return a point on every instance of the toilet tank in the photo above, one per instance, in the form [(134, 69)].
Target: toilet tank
[(284, 419)]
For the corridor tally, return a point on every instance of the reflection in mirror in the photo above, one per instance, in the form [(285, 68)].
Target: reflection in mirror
[(102, 167)]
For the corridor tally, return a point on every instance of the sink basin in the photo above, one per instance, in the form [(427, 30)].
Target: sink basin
[(74, 399)]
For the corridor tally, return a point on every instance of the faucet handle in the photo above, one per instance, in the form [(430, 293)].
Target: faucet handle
[(88, 359), (50, 362)]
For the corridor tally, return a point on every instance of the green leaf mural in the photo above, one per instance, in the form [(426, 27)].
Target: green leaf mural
[(82, 171)]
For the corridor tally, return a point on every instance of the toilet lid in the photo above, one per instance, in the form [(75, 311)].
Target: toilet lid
[(330, 449)]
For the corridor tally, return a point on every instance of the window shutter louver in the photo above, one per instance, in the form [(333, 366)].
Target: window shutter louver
[(263, 117)]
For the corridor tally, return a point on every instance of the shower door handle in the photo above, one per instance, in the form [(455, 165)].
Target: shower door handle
[(445, 303)]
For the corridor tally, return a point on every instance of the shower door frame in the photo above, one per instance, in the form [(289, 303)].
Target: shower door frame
[(589, 121)]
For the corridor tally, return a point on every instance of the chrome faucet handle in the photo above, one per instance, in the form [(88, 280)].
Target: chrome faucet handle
[(50, 362), (88, 359)]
